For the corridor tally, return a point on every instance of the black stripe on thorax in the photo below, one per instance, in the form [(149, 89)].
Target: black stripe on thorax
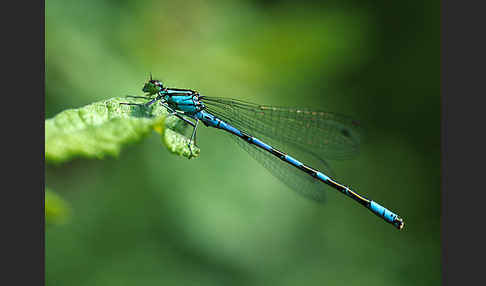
[(181, 89), (178, 94)]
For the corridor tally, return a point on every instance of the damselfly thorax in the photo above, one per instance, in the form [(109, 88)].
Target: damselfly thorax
[(185, 100), (312, 135)]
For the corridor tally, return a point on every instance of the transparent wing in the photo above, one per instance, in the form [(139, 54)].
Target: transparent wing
[(328, 135), (295, 179), (307, 135)]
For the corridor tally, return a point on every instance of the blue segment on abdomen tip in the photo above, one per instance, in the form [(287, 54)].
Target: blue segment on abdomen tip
[(383, 212)]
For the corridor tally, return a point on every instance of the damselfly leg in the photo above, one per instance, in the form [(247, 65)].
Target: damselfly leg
[(141, 104), (171, 112), (193, 138), (134, 96), (180, 116)]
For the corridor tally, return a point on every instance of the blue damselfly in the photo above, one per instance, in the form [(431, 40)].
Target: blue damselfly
[(309, 135)]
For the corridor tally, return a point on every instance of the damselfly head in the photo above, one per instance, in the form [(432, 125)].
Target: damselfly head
[(153, 86)]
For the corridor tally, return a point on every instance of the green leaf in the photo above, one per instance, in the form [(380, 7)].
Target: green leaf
[(57, 211), (178, 144), (103, 128)]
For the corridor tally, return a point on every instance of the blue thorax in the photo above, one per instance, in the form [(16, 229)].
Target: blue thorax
[(186, 101)]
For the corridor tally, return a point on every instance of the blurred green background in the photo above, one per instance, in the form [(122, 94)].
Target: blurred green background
[(152, 218)]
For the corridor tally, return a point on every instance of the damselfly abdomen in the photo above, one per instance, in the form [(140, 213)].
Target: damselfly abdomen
[(309, 135)]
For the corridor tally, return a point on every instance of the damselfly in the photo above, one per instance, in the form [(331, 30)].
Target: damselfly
[(311, 136)]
